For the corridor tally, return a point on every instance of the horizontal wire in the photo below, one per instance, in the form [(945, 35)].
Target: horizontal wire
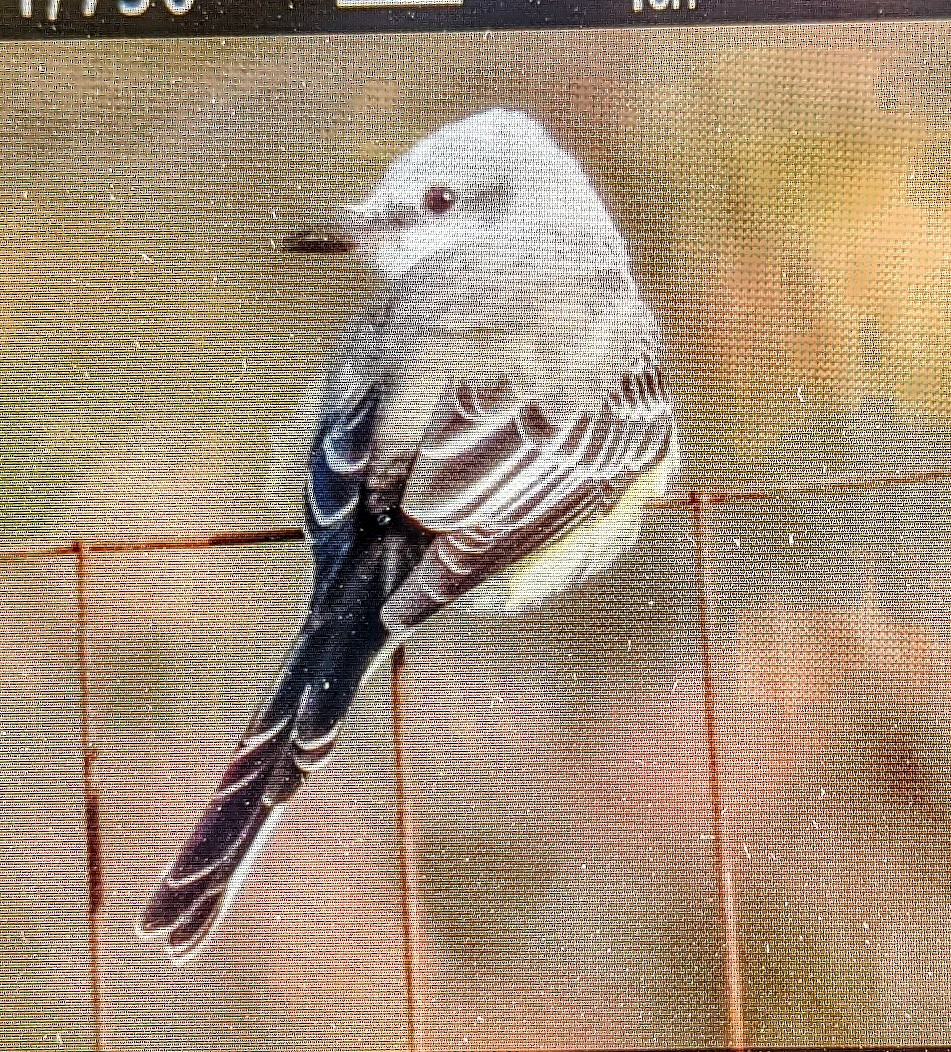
[(280, 534), (223, 539), (816, 488)]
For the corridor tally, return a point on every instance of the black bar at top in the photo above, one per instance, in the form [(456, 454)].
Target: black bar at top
[(51, 19)]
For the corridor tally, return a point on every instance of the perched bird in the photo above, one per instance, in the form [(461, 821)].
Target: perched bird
[(497, 418)]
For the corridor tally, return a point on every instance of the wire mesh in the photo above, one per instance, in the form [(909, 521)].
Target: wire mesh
[(693, 505)]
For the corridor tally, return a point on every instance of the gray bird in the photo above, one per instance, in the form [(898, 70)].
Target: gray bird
[(498, 418)]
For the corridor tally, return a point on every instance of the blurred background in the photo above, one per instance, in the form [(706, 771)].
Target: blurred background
[(785, 193)]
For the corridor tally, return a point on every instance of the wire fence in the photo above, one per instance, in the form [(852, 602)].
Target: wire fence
[(694, 505)]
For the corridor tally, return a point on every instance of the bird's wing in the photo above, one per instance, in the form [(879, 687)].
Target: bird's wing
[(500, 473)]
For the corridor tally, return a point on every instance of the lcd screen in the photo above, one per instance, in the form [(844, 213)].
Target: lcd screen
[(679, 780)]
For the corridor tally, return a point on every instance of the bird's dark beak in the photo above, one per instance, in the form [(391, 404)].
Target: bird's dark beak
[(343, 234)]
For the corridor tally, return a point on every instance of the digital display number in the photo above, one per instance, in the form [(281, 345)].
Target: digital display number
[(131, 8)]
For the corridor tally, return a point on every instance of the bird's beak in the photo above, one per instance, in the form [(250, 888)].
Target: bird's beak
[(348, 232)]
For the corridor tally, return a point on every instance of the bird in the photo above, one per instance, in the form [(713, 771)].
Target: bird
[(497, 417)]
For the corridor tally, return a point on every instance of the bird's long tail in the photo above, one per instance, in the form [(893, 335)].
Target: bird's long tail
[(291, 734)]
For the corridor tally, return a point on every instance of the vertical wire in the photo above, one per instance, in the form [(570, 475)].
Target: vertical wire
[(409, 877), (95, 885), (722, 855)]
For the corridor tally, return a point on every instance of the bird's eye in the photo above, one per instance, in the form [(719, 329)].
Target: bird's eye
[(439, 199)]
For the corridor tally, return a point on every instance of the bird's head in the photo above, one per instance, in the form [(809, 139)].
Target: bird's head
[(488, 184)]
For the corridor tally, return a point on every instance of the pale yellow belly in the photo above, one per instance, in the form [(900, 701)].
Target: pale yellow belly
[(590, 548)]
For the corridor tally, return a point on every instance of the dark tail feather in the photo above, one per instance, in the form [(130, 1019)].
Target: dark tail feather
[(292, 734), (357, 567)]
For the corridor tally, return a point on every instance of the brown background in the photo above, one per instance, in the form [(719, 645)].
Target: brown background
[(785, 194)]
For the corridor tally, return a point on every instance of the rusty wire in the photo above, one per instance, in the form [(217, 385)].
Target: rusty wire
[(694, 503), (95, 884), (278, 534), (733, 1000), (406, 841)]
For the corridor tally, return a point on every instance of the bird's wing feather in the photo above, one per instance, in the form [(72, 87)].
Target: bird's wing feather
[(339, 457), (500, 473)]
